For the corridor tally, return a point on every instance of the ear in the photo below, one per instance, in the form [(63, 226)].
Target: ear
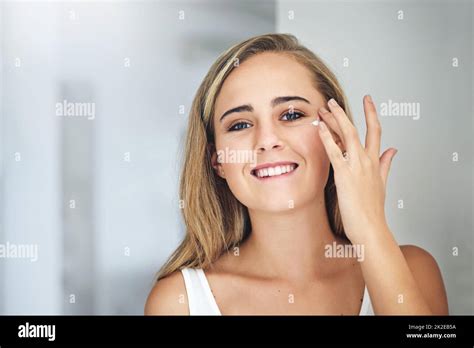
[(211, 148)]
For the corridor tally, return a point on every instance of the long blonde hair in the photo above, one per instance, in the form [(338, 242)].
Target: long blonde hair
[(215, 220)]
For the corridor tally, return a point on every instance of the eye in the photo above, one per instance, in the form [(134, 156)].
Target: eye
[(292, 116), (239, 126)]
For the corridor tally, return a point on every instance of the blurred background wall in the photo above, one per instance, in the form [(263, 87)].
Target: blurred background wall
[(96, 193)]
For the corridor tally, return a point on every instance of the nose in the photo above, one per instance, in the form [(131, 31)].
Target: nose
[(267, 138)]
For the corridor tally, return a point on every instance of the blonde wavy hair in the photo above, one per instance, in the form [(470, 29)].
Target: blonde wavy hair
[(215, 220)]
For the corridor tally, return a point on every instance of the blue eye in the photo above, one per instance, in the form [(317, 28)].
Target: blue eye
[(239, 126), (292, 116)]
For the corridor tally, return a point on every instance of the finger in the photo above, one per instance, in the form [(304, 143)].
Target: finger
[(333, 151), (332, 125), (374, 129), (386, 162), (349, 132)]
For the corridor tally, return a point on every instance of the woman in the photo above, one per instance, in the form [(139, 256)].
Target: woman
[(272, 239)]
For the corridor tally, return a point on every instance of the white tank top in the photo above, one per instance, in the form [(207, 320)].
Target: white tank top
[(202, 302)]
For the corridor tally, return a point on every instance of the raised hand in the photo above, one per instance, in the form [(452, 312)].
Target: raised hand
[(359, 174)]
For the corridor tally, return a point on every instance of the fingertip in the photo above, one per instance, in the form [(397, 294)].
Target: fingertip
[(323, 111), (322, 126), (333, 103)]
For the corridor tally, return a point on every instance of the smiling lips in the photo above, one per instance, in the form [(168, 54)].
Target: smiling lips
[(276, 169)]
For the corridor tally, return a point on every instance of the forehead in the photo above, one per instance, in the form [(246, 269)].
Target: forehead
[(263, 77)]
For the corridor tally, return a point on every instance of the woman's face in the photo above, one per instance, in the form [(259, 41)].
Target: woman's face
[(262, 128)]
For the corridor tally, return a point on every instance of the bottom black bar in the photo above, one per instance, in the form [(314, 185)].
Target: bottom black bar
[(139, 330)]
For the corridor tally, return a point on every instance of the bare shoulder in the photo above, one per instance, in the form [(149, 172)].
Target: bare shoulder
[(428, 276), (168, 297)]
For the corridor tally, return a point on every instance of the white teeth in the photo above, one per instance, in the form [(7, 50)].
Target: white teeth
[(274, 171)]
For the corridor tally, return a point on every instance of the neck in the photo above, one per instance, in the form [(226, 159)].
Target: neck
[(291, 245)]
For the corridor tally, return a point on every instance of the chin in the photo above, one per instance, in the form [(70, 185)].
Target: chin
[(280, 203)]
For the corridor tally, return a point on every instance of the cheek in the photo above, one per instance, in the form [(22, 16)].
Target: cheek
[(234, 142), (237, 182), (310, 145), (237, 155), (311, 148), (233, 172)]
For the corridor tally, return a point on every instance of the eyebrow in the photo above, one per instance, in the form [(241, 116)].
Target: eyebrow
[(276, 101)]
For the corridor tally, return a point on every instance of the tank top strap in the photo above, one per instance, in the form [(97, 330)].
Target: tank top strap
[(200, 298)]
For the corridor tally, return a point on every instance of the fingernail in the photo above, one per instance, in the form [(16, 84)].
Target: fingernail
[(315, 122), (322, 125), (323, 110), (369, 98), (332, 102)]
